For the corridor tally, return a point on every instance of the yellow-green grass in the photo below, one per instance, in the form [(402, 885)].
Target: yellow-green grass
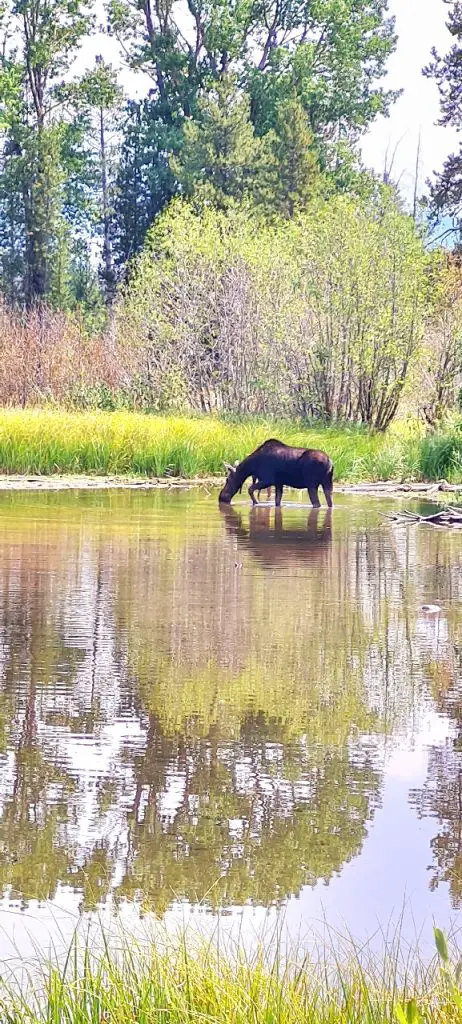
[(46, 441), (144, 985)]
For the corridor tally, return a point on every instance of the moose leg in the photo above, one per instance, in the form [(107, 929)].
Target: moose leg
[(255, 485), (313, 495), (278, 489), (260, 489), (268, 492), (328, 494)]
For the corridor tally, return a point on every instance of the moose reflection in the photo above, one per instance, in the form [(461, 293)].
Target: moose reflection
[(274, 540)]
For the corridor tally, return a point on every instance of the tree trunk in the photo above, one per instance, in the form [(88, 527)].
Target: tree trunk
[(38, 226), (108, 264)]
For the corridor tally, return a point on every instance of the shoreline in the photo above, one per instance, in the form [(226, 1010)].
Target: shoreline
[(58, 482)]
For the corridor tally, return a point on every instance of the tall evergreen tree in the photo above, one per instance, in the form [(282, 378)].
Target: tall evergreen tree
[(298, 173), (446, 191), (321, 61), (221, 153), (41, 39), (103, 96), (145, 180)]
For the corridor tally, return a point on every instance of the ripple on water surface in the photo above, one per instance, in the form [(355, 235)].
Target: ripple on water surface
[(228, 708)]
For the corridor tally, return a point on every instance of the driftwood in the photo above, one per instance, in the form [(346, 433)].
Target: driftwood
[(382, 487), (447, 516)]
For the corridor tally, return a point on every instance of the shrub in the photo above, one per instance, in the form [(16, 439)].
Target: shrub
[(47, 356), (320, 316)]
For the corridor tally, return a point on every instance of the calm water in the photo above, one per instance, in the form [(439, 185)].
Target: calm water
[(237, 711)]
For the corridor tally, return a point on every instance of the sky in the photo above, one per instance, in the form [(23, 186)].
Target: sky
[(420, 25)]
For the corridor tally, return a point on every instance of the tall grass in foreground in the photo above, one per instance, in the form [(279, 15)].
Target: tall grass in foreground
[(140, 985), (46, 441)]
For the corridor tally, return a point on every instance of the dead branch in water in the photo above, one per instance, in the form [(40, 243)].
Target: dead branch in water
[(447, 516)]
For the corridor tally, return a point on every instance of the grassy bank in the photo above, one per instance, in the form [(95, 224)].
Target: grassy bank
[(141, 985), (53, 441)]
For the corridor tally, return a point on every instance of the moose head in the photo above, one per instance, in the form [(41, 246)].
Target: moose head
[(231, 485)]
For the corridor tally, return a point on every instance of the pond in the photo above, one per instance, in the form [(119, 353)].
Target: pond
[(226, 711)]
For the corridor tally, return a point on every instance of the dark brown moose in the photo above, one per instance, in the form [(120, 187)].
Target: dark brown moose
[(277, 465)]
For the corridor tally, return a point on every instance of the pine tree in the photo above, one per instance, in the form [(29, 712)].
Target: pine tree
[(145, 181), (41, 41), (446, 192), (298, 174), (104, 96), (221, 154)]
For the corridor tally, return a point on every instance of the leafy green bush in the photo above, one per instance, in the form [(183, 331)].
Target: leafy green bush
[(319, 316)]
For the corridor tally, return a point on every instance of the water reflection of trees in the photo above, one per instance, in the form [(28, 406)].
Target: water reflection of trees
[(441, 795), (198, 712), (441, 798), (249, 821)]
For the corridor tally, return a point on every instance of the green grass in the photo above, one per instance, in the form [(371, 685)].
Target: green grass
[(144, 985), (46, 441)]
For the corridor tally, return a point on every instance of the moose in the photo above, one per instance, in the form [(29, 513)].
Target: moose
[(275, 464)]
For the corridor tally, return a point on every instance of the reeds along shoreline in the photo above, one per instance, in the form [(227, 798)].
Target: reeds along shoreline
[(47, 441), (139, 984)]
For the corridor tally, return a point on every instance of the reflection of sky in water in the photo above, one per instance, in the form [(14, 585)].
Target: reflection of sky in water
[(102, 597), (386, 882)]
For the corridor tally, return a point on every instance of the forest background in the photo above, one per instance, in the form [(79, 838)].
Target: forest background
[(217, 246)]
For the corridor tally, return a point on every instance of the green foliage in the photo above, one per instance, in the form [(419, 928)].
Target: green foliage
[(333, 52), (40, 45), (100, 88), (410, 1014), (297, 163), (102, 97), (441, 945), (415, 1010), (321, 315), (221, 155), (440, 456), (439, 368), (50, 441), (307, 79), (248, 102), (446, 192), (145, 181), (47, 441)]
